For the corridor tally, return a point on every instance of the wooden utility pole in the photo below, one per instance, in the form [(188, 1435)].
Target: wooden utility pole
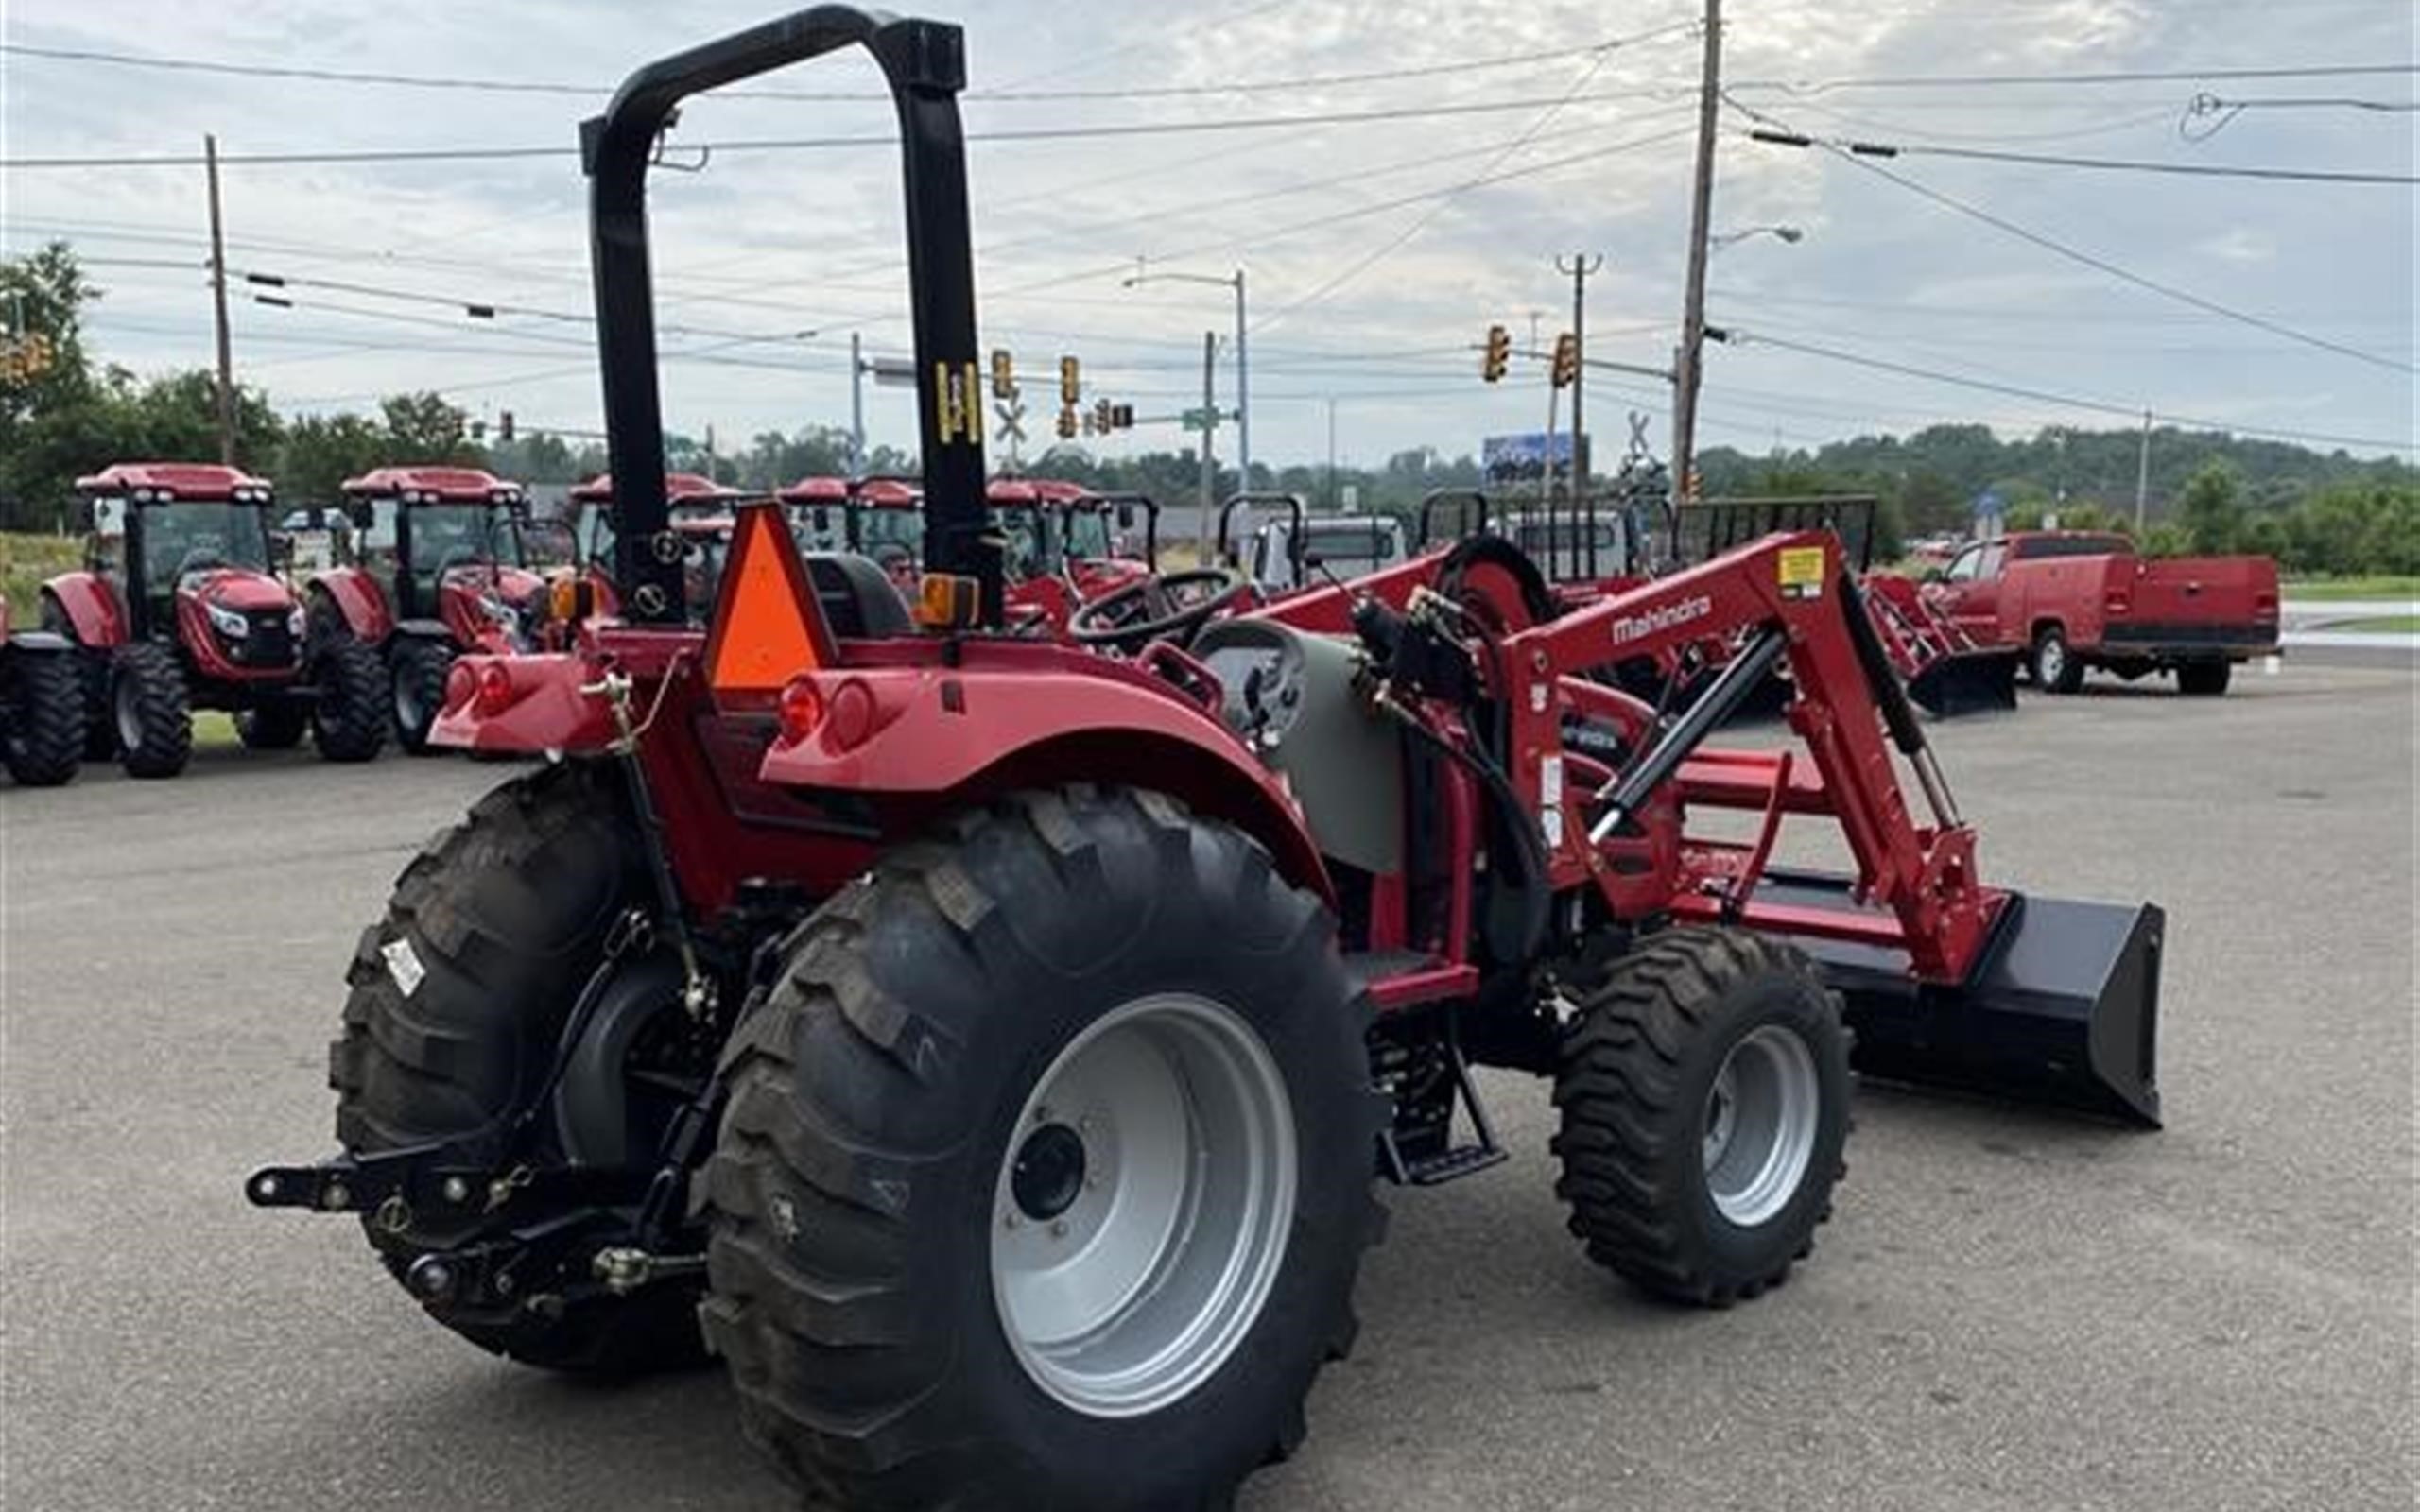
[(219, 304), (2143, 475), (1686, 370), (1582, 265)]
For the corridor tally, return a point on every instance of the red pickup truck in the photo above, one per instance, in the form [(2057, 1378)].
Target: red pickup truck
[(2078, 599)]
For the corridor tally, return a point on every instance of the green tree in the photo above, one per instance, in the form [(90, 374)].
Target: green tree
[(2211, 511), (427, 429)]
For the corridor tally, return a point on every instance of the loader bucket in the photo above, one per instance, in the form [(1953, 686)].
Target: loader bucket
[(2063, 1008), (1965, 682)]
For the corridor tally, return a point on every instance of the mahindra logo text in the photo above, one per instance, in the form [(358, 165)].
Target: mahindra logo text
[(1638, 626)]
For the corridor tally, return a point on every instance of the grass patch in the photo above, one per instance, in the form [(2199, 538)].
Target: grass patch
[(213, 729), (2325, 590), (25, 561)]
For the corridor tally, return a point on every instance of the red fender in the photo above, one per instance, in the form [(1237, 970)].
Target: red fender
[(969, 733), (358, 601), (91, 604)]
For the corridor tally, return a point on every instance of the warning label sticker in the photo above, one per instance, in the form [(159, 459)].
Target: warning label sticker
[(1802, 571)]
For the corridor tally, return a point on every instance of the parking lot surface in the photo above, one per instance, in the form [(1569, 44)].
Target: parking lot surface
[(2009, 1311)]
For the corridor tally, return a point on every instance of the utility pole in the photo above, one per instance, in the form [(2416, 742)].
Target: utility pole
[(1687, 370), (1582, 265), (1243, 395), (2143, 475), (1209, 427), (1331, 451), (857, 405), (218, 305)]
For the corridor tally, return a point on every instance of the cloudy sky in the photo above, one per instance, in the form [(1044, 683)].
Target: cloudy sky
[(1377, 250)]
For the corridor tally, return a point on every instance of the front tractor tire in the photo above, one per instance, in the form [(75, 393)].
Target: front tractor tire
[(1045, 1170), (41, 715), (1703, 1091), (349, 718), (497, 924), (420, 668), (152, 710)]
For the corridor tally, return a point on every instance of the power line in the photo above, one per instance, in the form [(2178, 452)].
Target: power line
[(2046, 396), (1436, 208), (1046, 133), (2100, 264), (1776, 136), (500, 86), (1804, 87)]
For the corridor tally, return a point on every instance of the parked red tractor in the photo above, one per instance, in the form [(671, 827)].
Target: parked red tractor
[(42, 706), (994, 1044), (178, 607), (691, 497), (439, 570)]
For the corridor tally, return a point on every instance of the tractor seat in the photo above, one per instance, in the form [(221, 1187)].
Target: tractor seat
[(859, 599)]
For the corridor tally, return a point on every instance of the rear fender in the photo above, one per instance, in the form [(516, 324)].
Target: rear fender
[(355, 600), (950, 738), (91, 605), (540, 706)]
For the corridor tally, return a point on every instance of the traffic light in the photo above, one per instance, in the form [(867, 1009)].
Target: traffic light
[(1004, 375), (1071, 381), (1567, 359), (1067, 421), (504, 427), (1121, 417), (1104, 417), (1499, 353)]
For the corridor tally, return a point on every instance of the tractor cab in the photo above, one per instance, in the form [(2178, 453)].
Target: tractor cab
[(1298, 548), (698, 512), (445, 544), (185, 549)]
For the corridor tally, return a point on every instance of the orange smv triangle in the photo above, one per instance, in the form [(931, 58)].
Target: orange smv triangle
[(767, 627)]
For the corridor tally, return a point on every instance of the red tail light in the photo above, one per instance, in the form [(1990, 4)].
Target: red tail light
[(460, 686), (2117, 602), (495, 691), (800, 710)]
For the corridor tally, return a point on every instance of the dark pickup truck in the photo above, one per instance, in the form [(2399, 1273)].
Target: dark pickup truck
[(2078, 599)]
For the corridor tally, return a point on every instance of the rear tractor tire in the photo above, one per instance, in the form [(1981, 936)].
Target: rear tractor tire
[(1704, 1094), (349, 719), (1046, 1169), (420, 667), (93, 674), (2204, 679), (150, 709), (41, 715), (497, 926)]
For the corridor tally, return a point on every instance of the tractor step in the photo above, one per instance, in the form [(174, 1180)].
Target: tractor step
[(1436, 1170)]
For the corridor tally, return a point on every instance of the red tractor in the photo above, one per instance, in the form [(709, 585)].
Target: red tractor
[(42, 706), (179, 608), (701, 509), (994, 1045), (439, 568)]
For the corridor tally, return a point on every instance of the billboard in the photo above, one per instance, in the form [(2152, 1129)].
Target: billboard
[(1522, 458)]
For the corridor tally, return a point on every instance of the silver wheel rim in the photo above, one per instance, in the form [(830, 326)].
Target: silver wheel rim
[(406, 703), (128, 705), (1143, 1204), (2054, 659), (1760, 1118)]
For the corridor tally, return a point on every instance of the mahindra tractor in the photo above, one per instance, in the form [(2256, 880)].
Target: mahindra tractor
[(180, 606), (438, 569), (42, 706), (699, 506), (990, 1049)]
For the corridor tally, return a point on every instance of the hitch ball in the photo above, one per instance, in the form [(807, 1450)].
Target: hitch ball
[(430, 1278)]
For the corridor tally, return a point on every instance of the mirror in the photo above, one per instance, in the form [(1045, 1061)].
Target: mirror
[(1125, 517)]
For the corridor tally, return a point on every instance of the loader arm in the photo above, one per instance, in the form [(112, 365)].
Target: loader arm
[(1791, 600)]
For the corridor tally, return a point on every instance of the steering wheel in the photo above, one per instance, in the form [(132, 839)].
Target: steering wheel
[(1157, 608)]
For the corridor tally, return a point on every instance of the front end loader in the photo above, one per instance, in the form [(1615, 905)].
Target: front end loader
[(989, 1048)]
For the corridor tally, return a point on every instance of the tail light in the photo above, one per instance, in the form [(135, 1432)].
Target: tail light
[(493, 694), (2264, 606), (799, 710), (2118, 601)]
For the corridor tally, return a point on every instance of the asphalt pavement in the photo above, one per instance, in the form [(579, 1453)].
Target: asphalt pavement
[(2009, 1311)]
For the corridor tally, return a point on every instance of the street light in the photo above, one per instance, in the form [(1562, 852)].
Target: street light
[(1785, 234), (1243, 365)]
